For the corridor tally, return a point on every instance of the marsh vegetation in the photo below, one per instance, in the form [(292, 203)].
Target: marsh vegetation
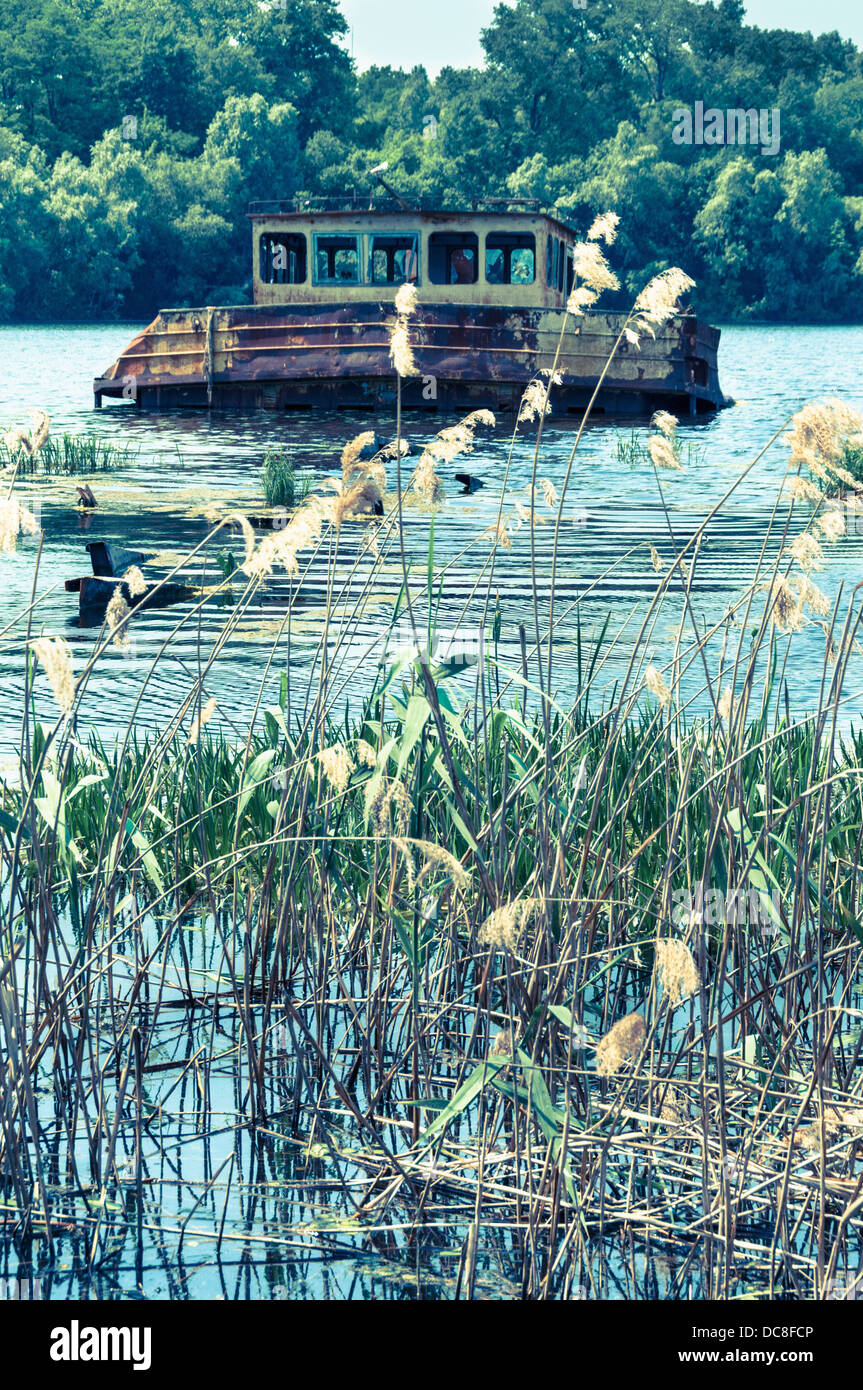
[(552, 1000)]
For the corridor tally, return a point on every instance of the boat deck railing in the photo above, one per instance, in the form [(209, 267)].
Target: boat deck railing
[(364, 202)]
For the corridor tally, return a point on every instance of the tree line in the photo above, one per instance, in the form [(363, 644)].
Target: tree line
[(132, 138)]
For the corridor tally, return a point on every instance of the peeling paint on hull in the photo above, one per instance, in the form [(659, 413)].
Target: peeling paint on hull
[(329, 355)]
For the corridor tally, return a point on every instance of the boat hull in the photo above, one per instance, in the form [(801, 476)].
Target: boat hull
[(326, 356)]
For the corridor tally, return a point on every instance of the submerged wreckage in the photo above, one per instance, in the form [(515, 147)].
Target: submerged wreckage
[(492, 287)]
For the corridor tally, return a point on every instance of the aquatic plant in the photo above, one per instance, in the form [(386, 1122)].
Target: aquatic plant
[(66, 456), (279, 479)]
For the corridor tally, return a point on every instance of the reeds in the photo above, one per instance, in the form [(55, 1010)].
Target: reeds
[(553, 978), (66, 456), (278, 479)]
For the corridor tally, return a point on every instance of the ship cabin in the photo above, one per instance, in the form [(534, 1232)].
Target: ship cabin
[(508, 258), (492, 285)]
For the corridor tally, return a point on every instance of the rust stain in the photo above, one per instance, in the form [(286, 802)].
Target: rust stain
[(312, 345)]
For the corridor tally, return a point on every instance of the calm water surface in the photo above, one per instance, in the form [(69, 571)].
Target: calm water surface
[(185, 461)]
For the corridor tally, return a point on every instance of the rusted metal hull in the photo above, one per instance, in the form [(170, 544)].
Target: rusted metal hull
[(278, 357)]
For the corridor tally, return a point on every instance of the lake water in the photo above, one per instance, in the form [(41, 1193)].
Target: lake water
[(186, 461)]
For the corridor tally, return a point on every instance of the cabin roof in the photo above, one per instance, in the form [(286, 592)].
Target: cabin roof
[(287, 211)]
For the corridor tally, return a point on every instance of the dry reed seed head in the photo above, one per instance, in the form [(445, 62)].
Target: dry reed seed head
[(621, 1044), (534, 402), (247, 533), (479, 422), (32, 441), (592, 268), (363, 499), (115, 616), (845, 1119), (725, 705), (549, 492), (499, 535), (503, 1043), (604, 228), (581, 299), (786, 612), (387, 807), (354, 447), (847, 478), (806, 550), (525, 514), (674, 1109), (664, 453), (810, 596), (831, 524), (675, 969), (401, 806), (657, 302), (56, 659), (804, 489), (450, 442), (656, 560), (201, 720), (16, 440), (14, 520), (401, 352), (819, 433), (432, 857), (632, 337), (41, 430), (436, 857), (501, 928), (360, 471), (337, 766), (135, 581), (425, 482), (666, 423), (655, 684), (282, 547), (406, 301), (366, 754)]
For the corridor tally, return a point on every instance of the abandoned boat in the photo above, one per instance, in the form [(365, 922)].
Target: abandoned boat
[(492, 286)]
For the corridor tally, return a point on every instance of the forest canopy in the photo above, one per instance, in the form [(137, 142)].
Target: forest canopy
[(133, 137)]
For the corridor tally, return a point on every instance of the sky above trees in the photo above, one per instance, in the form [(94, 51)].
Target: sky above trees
[(440, 33)]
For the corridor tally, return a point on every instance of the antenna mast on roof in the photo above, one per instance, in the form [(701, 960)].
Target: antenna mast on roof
[(378, 172)]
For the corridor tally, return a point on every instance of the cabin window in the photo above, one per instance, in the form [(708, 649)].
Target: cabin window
[(337, 260), (549, 259), (453, 258), (394, 260), (561, 265), (570, 271), (510, 258), (283, 258), (555, 262)]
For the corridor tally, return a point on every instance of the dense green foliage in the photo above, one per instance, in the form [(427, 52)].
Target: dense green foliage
[(278, 479), (574, 107)]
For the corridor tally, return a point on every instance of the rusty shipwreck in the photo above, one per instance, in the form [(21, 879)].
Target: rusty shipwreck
[(492, 286)]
